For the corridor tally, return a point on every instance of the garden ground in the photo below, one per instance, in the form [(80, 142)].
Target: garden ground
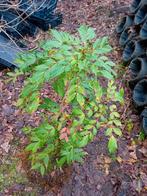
[(98, 175)]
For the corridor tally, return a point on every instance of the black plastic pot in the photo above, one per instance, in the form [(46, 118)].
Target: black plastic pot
[(135, 6), (140, 94), (134, 49), (144, 125), (126, 22), (41, 13), (140, 48), (128, 50), (141, 15), (144, 120), (143, 31), (138, 70), (144, 113), (45, 22), (15, 26), (126, 36), (55, 20), (8, 52), (38, 6), (143, 2)]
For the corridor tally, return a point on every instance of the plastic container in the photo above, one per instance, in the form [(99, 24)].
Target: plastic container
[(128, 50), (144, 125), (37, 6), (141, 15), (138, 70), (41, 13), (138, 67), (8, 52), (15, 26), (135, 6), (143, 31), (140, 94), (140, 48), (144, 120), (126, 36), (126, 22), (134, 49), (46, 21)]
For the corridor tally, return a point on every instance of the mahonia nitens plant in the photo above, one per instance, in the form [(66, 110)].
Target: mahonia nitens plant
[(74, 67)]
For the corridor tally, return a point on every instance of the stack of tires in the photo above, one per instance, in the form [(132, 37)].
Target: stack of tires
[(20, 18), (133, 38)]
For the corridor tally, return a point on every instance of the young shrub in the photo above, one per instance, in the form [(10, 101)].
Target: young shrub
[(75, 67)]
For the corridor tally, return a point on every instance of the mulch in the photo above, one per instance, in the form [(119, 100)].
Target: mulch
[(98, 175)]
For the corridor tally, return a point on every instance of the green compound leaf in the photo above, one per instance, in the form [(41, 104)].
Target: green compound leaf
[(86, 33)]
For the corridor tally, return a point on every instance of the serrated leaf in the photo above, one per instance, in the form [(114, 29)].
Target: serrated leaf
[(107, 74), (95, 130), (89, 113), (114, 115), (49, 44), (117, 122), (70, 97), (50, 105), (46, 161), (112, 107), (86, 33), (19, 102), (109, 132), (84, 141), (61, 161), (102, 46), (71, 93), (117, 131), (53, 72), (112, 145), (87, 127), (57, 35), (33, 147), (36, 166), (42, 170), (80, 99), (34, 105), (120, 96), (59, 86)]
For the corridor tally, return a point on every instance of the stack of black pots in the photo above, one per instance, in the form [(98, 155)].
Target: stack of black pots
[(133, 39), (21, 18)]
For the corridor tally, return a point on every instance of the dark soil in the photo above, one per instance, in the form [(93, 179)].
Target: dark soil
[(98, 175)]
